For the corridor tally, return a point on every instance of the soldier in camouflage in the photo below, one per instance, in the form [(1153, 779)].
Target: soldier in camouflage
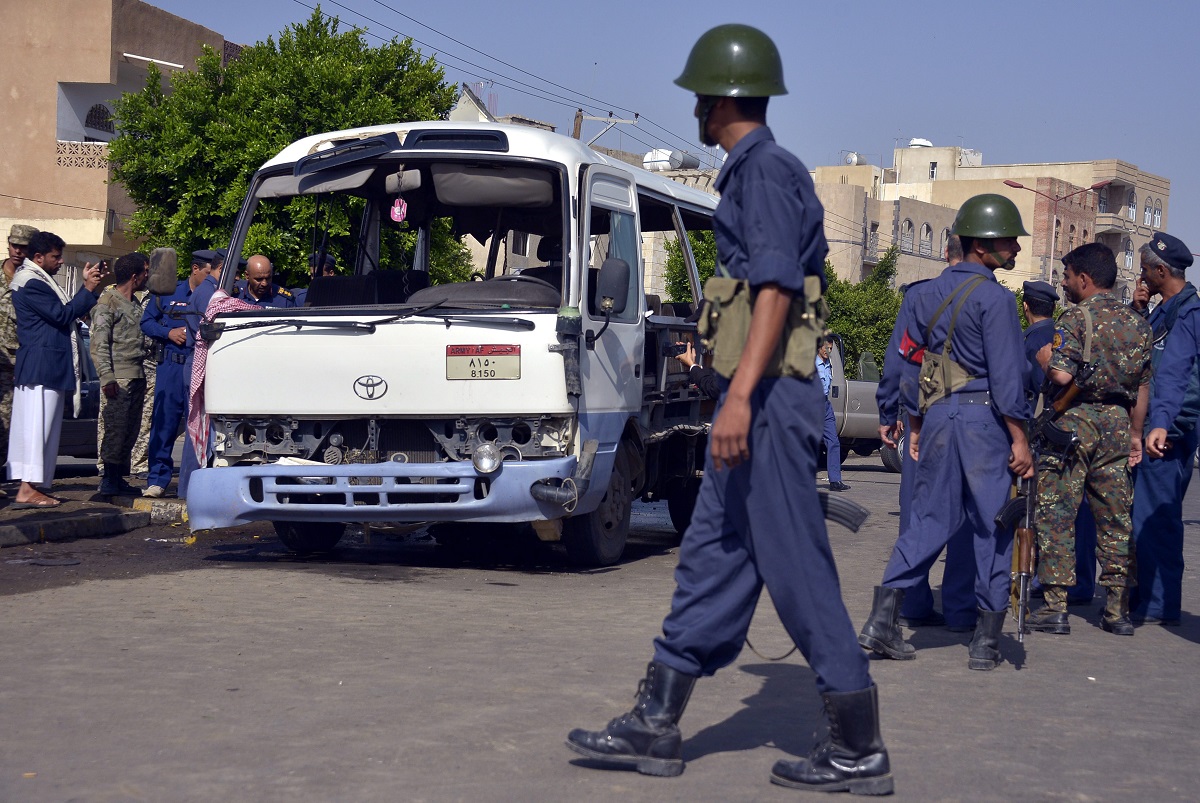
[(118, 350), (139, 460), (18, 240), (1107, 416)]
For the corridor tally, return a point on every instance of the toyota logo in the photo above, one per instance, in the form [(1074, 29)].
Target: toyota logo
[(370, 387)]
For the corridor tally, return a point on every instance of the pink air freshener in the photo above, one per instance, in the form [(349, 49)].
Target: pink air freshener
[(399, 210)]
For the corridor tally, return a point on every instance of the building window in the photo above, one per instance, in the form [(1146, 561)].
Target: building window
[(926, 240), (1084, 238), (1128, 252), (99, 118), (1158, 214), (1148, 213), (932, 171), (1102, 201), (906, 237), (945, 241), (1071, 239), (873, 239), (1057, 237), (1132, 207)]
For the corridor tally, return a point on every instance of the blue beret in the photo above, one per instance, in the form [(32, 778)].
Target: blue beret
[(203, 256), (1171, 250), (1041, 290)]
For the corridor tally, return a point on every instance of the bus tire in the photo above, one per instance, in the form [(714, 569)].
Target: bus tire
[(598, 538), (307, 537), (681, 503)]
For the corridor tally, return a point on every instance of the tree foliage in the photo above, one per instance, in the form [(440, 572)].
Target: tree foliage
[(186, 157), (863, 314), (704, 250)]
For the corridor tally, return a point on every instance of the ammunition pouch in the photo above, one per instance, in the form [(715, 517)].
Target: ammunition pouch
[(159, 351), (725, 325), (940, 375)]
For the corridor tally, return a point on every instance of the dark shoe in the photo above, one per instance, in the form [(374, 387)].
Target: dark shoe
[(881, 634), (110, 480), (1116, 613), (851, 758), (646, 739), (1051, 617), (931, 619), (838, 486), (1154, 620), (984, 652)]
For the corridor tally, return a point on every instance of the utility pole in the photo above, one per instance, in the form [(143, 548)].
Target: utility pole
[(577, 131)]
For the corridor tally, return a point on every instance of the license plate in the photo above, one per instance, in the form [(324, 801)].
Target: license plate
[(483, 362)]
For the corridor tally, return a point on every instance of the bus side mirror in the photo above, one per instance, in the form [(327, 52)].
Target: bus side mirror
[(612, 286)]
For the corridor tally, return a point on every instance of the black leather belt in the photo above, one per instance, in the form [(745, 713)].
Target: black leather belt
[(176, 357)]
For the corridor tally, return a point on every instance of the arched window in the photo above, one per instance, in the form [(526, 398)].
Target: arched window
[(1084, 239), (1158, 214), (906, 237), (1132, 205), (945, 241), (926, 240), (1058, 243), (1071, 239), (1102, 201), (1128, 252), (1148, 213), (99, 118)]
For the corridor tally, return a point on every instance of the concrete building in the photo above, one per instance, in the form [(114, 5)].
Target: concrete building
[(74, 57), (914, 202)]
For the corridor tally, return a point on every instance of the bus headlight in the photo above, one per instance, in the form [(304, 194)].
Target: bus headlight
[(486, 458)]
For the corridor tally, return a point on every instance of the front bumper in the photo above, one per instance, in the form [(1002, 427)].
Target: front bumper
[(356, 492)]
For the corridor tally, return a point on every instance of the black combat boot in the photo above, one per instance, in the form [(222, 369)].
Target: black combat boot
[(1051, 617), (113, 482), (646, 739), (881, 634), (851, 758), (984, 652), (1116, 612)]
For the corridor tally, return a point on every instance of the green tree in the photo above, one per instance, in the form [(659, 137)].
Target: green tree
[(186, 157), (704, 249), (863, 314)]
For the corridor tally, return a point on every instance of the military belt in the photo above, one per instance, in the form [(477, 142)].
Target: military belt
[(967, 397), (176, 357)]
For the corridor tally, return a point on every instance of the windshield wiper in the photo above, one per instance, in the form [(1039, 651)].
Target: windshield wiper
[(211, 332)]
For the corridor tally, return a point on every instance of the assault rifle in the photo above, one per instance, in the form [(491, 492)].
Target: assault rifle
[(846, 513), (1045, 437)]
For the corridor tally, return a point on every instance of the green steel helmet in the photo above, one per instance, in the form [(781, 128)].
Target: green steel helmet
[(988, 217), (734, 61)]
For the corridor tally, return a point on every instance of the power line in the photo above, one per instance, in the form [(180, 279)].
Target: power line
[(67, 206)]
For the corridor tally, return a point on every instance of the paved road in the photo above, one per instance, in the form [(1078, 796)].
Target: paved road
[(154, 670)]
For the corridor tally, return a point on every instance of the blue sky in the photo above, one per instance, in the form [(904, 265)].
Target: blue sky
[(1020, 81)]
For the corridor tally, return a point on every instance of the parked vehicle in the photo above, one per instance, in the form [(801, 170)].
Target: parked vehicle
[(542, 392), (854, 404)]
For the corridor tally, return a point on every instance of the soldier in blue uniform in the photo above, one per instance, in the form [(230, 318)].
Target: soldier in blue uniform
[(768, 425), (165, 320), (1161, 481), (972, 432), (958, 577), (1039, 300), (260, 289)]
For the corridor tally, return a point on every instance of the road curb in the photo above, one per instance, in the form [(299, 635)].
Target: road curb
[(162, 511), (84, 524)]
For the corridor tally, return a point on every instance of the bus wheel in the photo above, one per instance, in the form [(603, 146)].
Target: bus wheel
[(598, 538), (681, 503), (305, 537)]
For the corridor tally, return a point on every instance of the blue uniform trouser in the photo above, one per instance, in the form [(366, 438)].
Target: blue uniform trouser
[(962, 480), (188, 461), (756, 524), (958, 578), (833, 447), (1159, 485), (170, 407)]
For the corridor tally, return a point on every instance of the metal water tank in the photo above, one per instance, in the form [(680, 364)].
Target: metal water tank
[(663, 159)]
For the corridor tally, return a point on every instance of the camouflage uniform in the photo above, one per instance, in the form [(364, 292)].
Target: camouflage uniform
[(1121, 342), (139, 460), (8, 359), (118, 350)]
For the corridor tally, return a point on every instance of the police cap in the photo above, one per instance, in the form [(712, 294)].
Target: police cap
[(204, 257), (1040, 290), (223, 253), (20, 233), (1171, 250)]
